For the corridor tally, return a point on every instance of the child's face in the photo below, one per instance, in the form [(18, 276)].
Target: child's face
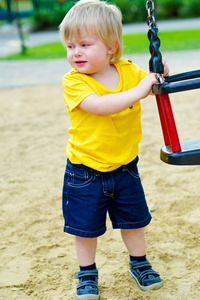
[(88, 54)]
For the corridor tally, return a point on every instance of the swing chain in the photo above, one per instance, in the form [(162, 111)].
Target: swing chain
[(150, 19)]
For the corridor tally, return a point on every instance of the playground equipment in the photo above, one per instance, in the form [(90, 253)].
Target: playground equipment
[(173, 152), (19, 27), (8, 11)]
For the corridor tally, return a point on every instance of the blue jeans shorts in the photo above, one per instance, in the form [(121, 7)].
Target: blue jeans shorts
[(89, 194)]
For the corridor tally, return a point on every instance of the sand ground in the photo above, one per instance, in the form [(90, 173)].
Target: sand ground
[(38, 260)]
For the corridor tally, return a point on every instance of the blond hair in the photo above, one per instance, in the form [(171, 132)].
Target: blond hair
[(101, 19)]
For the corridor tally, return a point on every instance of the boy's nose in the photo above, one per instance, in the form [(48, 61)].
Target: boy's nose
[(77, 51)]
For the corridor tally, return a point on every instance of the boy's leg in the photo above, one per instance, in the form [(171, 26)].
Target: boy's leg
[(134, 239), (140, 268), (87, 287), (85, 250)]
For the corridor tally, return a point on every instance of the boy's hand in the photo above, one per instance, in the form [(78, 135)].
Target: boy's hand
[(166, 68), (145, 85)]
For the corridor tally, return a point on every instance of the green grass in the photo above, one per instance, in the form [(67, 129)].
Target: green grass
[(47, 51), (133, 43), (170, 41)]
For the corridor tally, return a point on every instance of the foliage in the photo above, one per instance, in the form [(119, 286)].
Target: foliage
[(190, 8), (166, 9), (132, 10), (135, 10), (45, 20), (50, 13)]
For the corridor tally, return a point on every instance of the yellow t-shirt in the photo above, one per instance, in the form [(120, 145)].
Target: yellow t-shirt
[(103, 143)]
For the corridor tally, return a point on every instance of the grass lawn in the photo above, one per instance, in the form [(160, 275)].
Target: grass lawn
[(133, 43), (170, 41)]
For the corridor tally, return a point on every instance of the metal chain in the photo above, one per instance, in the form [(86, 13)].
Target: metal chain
[(156, 57), (150, 19)]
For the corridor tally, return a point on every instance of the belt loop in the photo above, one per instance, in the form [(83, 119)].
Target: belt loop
[(124, 168), (96, 173)]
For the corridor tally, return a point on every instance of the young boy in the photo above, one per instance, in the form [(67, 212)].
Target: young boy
[(102, 94)]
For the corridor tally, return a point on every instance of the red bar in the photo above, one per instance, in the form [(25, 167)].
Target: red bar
[(162, 121), (170, 123)]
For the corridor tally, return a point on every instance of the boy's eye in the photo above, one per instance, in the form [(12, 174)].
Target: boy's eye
[(69, 46)]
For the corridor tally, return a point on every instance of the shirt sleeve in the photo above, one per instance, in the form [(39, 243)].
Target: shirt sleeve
[(75, 90)]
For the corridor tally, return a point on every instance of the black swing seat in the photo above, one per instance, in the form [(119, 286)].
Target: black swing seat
[(178, 83), (189, 154)]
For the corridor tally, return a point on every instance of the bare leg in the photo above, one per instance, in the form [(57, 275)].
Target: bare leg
[(134, 239), (85, 250)]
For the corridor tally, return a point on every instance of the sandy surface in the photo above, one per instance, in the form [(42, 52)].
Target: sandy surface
[(38, 260)]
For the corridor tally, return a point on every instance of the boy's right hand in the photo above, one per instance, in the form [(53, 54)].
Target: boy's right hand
[(145, 85)]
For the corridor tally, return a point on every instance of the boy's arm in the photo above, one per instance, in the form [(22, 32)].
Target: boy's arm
[(114, 103)]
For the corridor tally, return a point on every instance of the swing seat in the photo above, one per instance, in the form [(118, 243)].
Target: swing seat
[(177, 83), (175, 152), (189, 154)]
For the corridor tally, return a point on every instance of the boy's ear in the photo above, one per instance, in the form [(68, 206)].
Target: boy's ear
[(112, 51)]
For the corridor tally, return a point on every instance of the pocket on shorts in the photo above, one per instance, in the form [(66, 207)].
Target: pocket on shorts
[(133, 169), (77, 177)]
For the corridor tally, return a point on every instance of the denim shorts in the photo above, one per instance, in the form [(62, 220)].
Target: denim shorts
[(89, 194)]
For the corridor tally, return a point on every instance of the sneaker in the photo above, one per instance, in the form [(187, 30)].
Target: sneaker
[(147, 279), (87, 289)]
